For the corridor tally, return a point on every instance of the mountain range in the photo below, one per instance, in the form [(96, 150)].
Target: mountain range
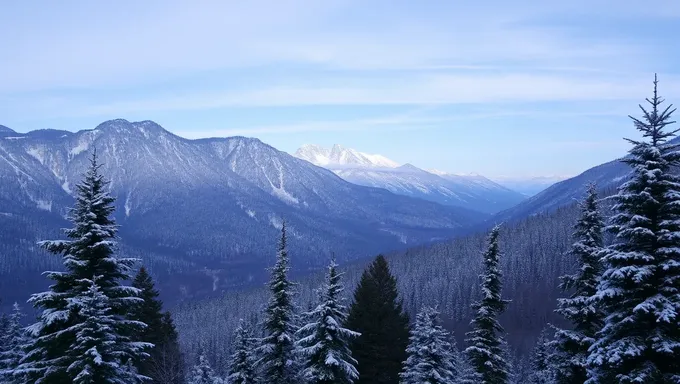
[(202, 207), (469, 191)]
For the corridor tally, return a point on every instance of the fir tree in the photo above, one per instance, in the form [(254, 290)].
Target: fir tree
[(164, 363), (541, 369), (431, 357), (324, 343), (378, 316), (571, 345), (639, 291), (100, 351), (202, 373), (88, 252), (486, 343), (13, 340), (277, 360), (242, 364)]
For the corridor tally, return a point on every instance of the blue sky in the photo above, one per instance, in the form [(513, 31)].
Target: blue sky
[(520, 88)]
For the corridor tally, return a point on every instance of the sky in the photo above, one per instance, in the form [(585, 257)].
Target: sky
[(500, 88)]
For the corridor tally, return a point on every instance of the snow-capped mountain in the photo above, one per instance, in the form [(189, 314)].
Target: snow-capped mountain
[(470, 191), (217, 203), (338, 157)]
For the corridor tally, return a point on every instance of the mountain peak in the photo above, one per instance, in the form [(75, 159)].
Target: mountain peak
[(339, 155), (4, 129)]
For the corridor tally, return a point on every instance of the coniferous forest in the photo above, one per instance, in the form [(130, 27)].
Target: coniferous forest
[(589, 293)]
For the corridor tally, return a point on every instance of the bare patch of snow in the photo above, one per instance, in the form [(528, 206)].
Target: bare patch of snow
[(45, 205), (37, 154)]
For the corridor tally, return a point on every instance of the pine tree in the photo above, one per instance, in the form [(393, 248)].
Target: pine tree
[(486, 343), (13, 340), (324, 342), (99, 350), (639, 291), (202, 373), (89, 252), (164, 364), (377, 314), (571, 345), (541, 369), (431, 357), (242, 364), (277, 360)]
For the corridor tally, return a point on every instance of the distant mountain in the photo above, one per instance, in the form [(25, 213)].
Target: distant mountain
[(209, 208), (607, 176), (471, 191), (529, 186), (339, 156)]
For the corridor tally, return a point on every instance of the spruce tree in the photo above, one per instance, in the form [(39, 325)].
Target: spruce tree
[(324, 342), (431, 356), (277, 360), (639, 291), (164, 363), (202, 373), (13, 340), (486, 343), (242, 364), (571, 346), (377, 314), (541, 368), (99, 350), (89, 252)]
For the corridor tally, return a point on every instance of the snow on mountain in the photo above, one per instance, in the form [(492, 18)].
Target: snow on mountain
[(212, 202), (339, 156), (470, 191)]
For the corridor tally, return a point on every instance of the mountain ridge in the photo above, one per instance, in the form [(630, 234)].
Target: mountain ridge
[(473, 192), (217, 203)]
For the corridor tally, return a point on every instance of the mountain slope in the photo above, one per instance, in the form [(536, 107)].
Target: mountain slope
[(186, 205), (607, 176), (472, 192)]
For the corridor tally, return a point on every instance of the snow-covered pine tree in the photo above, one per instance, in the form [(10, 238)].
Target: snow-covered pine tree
[(277, 359), (202, 373), (324, 342), (639, 291), (100, 350), (14, 340), (541, 369), (570, 346), (377, 313), (486, 344), (88, 252), (431, 356), (242, 364)]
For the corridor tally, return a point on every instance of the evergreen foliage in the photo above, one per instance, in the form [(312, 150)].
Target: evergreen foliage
[(164, 364), (88, 253), (639, 291), (377, 314), (542, 371), (571, 345), (13, 340), (202, 373), (100, 352), (486, 343), (242, 364), (277, 359), (324, 342), (431, 355)]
